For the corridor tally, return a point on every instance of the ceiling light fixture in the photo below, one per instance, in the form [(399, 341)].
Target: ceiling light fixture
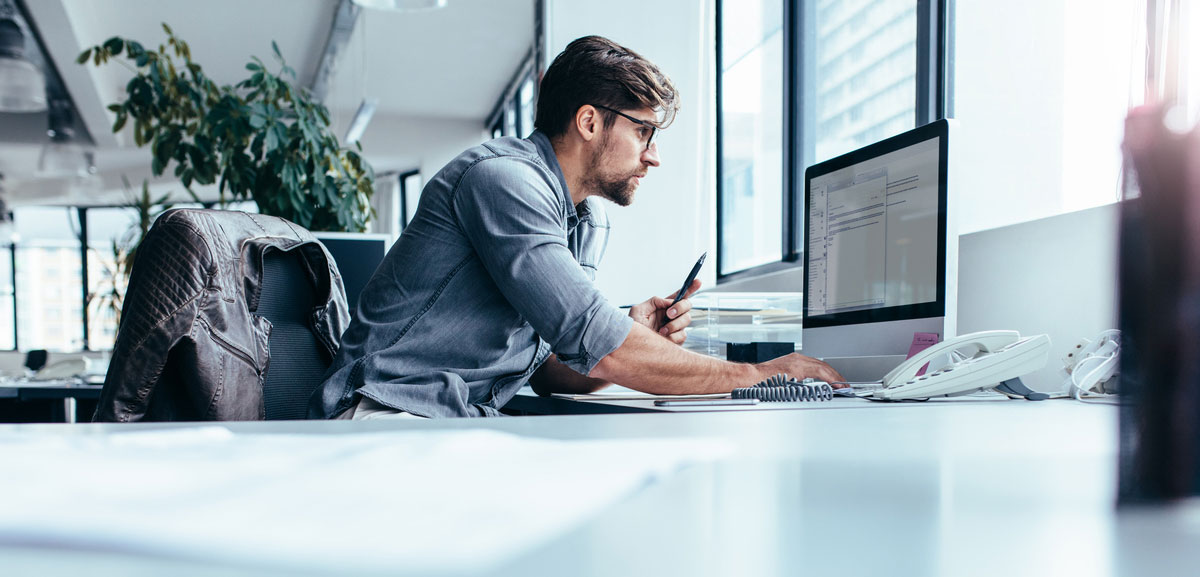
[(22, 85), (402, 5), (63, 155), (366, 109)]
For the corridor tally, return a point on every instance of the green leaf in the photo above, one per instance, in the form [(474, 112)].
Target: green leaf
[(114, 45), (167, 29), (83, 56), (275, 47)]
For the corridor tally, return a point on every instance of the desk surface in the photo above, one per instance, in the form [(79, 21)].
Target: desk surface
[(29, 390), (1009, 488)]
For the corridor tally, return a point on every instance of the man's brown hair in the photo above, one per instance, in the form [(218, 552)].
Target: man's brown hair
[(597, 71)]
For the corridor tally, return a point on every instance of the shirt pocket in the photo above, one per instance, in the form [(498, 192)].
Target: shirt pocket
[(588, 242)]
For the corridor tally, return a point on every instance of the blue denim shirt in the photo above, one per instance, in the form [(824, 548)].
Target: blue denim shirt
[(495, 271)]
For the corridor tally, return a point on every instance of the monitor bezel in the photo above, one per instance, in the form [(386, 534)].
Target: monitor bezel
[(939, 129)]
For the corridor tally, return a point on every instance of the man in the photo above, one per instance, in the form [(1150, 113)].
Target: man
[(491, 285)]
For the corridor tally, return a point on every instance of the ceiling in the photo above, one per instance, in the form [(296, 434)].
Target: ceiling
[(452, 63)]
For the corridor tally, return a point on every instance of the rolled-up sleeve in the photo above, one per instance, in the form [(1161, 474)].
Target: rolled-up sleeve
[(514, 219)]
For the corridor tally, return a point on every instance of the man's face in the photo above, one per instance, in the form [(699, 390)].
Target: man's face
[(621, 159)]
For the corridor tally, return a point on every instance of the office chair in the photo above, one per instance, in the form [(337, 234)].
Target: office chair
[(228, 316), (297, 362)]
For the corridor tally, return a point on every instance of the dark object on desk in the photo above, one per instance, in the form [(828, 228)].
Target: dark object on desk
[(216, 312), (757, 352), (35, 359), (1016, 387), (1159, 279)]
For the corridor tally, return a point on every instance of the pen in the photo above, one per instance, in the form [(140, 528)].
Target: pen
[(686, 283)]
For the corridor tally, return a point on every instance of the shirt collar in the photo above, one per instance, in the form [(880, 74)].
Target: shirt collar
[(546, 150)]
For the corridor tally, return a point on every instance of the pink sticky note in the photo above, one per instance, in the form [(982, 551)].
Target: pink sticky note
[(920, 342)]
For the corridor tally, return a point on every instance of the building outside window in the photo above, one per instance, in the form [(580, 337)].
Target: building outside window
[(863, 79)]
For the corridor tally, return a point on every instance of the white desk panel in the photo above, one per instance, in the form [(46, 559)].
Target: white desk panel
[(1008, 488)]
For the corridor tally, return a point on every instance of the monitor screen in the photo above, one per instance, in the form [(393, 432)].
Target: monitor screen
[(875, 230), (357, 255)]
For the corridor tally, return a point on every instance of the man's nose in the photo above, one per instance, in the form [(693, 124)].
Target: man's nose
[(650, 155)]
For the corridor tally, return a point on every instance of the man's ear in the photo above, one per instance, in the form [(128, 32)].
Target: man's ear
[(587, 122)]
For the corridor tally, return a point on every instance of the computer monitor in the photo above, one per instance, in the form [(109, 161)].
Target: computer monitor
[(880, 250), (357, 256)]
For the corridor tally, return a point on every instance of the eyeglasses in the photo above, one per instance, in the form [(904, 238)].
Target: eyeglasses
[(647, 136)]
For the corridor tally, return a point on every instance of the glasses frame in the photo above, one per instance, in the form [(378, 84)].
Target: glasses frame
[(652, 127)]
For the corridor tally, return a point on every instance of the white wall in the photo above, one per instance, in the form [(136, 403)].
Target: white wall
[(403, 143), (1040, 92), (655, 241)]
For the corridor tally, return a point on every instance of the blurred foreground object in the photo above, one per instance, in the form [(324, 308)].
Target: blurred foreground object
[(1159, 280)]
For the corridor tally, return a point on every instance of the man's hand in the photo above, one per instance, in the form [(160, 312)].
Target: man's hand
[(658, 315), (800, 367)]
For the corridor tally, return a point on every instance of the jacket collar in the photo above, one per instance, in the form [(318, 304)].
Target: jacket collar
[(546, 150)]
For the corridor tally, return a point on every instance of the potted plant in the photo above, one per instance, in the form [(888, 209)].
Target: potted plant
[(108, 297), (264, 138)]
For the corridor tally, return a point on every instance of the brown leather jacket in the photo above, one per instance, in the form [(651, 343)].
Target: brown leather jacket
[(189, 346)]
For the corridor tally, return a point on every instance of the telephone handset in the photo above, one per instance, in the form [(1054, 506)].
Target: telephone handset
[(994, 357)]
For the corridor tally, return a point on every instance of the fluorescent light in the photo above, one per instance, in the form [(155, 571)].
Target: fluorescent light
[(22, 86), (402, 5), (361, 119)]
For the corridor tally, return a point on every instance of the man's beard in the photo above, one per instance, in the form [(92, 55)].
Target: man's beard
[(617, 189)]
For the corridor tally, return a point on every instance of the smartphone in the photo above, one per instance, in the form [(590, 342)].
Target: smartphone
[(703, 402)]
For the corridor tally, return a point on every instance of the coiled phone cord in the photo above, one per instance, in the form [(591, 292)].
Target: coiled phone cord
[(780, 388)]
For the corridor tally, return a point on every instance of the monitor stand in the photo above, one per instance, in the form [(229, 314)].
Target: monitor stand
[(865, 369)]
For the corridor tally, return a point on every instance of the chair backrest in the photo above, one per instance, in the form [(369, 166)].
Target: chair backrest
[(297, 362)]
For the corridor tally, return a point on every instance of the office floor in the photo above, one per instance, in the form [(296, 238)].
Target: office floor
[(1012, 488)]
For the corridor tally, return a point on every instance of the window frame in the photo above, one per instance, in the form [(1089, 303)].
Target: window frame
[(510, 102), (933, 102)]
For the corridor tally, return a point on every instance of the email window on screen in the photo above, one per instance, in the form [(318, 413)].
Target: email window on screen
[(874, 230)]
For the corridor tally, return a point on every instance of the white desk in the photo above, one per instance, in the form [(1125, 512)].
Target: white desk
[(1010, 488)]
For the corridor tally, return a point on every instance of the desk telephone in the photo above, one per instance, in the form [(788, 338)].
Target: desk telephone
[(995, 357)]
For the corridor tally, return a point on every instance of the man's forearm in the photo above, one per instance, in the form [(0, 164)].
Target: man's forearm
[(555, 377), (648, 362)]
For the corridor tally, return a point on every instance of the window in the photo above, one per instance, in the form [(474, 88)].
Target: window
[(8, 318), (861, 83), (804, 81), (111, 233), (410, 194), (514, 113), (525, 104), (752, 137), (48, 255)]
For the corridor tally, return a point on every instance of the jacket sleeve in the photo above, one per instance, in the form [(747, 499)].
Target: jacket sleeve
[(167, 281)]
